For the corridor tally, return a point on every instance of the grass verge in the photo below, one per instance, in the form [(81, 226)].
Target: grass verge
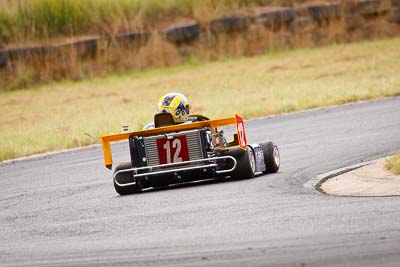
[(72, 114), (393, 164)]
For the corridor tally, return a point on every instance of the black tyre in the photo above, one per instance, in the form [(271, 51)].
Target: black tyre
[(124, 178), (271, 157), (246, 165)]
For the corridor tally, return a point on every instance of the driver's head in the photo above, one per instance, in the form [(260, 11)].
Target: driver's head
[(176, 104)]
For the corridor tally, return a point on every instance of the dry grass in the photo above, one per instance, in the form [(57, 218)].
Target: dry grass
[(32, 20), (393, 164), (111, 56), (71, 114), (157, 52)]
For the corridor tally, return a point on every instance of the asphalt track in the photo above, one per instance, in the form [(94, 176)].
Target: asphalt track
[(62, 210)]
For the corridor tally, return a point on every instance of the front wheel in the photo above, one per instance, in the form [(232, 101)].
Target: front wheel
[(122, 178), (272, 158)]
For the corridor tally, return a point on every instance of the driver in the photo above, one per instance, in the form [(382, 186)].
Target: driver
[(174, 103)]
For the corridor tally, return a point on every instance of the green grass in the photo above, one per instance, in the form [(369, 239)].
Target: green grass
[(72, 114), (393, 164), (29, 20)]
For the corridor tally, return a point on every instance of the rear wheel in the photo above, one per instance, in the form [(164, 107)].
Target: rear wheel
[(271, 157), (122, 178), (246, 164)]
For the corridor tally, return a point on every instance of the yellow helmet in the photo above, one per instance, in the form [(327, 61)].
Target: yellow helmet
[(176, 104)]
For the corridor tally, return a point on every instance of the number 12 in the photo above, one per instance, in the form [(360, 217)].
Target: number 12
[(176, 144)]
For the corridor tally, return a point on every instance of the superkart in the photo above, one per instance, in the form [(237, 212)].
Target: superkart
[(179, 153)]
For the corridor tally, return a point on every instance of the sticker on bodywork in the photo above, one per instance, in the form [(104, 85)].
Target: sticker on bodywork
[(241, 132), (172, 150)]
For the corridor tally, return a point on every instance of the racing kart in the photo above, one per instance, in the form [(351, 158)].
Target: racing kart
[(174, 153)]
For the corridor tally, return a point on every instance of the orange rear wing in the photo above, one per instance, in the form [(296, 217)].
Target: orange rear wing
[(213, 124)]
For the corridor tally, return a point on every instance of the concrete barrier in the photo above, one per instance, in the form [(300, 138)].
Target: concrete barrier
[(394, 16), (132, 38), (275, 17), (321, 11), (182, 33), (302, 25), (354, 21), (86, 47), (371, 7), (3, 57), (30, 52), (229, 24)]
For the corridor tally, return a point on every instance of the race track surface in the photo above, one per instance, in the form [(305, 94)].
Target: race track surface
[(62, 210)]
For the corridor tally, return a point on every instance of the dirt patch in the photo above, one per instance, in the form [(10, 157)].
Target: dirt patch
[(370, 180)]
